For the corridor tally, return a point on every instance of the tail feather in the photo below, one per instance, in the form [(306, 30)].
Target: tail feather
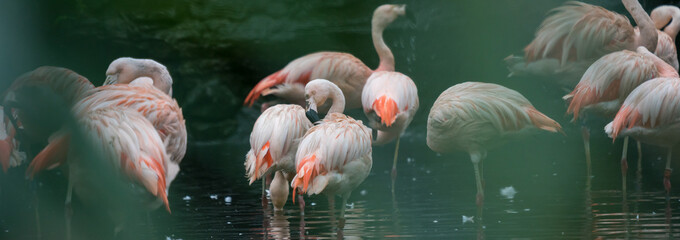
[(307, 173), (53, 155), (254, 163), (153, 179), (542, 121), (625, 116), (386, 108), (266, 83)]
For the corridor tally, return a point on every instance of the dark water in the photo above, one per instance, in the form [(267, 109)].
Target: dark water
[(217, 50)]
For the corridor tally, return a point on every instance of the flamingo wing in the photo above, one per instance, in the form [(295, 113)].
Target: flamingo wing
[(389, 94), (578, 31), (343, 69), (275, 135), (612, 77)]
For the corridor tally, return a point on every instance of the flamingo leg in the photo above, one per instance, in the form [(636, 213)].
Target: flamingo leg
[(394, 165), (585, 132), (476, 158), (331, 206), (68, 209), (341, 224), (624, 164), (301, 203), (667, 172), (639, 163)]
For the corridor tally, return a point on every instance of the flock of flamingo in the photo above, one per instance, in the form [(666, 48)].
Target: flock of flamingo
[(627, 74)]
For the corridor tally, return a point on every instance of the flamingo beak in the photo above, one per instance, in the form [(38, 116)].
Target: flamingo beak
[(311, 113), (111, 79)]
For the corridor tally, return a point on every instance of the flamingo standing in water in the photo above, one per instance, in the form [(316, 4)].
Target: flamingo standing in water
[(343, 69), (471, 116), (390, 101), (33, 98), (607, 83), (577, 34), (334, 157), (273, 144), (124, 163), (649, 114)]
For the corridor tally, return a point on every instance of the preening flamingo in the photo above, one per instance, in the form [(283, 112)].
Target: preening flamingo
[(343, 69), (125, 70), (649, 114), (119, 163), (334, 157), (273, 144), (577, 34), (472, 116), (667, 18), (29, 102), (607, 83), (390, 101)]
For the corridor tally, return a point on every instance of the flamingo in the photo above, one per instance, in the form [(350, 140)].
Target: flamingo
[(125, 70), (274, 142), (471, 116), (346, 71), (577, 34), (667, 18), (390, 101), (607, 83), (333, 157), (124, 163), (25, 109), (649, 114)]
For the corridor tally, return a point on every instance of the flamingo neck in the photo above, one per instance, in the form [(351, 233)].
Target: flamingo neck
[(338, 105), (674, 27), (384, 52), (648, 35), (664, 69)]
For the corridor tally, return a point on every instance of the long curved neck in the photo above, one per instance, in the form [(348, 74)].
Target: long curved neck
[(648, 35), (384, 52), (665, 70), (674, 27), (338, 105)]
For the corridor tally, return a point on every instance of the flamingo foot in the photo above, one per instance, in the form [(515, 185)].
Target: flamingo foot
[(480, 199), (301, 201), (667, 180)]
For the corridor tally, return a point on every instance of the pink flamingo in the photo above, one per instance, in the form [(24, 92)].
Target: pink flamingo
[(273, 144), (125, 70), (334, 157), (667, 18), (343, 69), (577, 34), (649, 114), (390, 101), (473, 116), (24, 117), (607, 83), (124, 142)]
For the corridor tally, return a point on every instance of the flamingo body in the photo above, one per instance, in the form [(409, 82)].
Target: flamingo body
[(390, 101)]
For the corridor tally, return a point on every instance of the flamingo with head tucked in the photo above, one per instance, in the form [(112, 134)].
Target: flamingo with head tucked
[(343, 69), (577, 34), (333, 157), (607, 83), (474, 116), (273, 144), (650, 114), (126, 69)]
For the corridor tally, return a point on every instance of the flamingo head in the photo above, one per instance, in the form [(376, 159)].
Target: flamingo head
[(387, 13), (125, 70), (662, 15)]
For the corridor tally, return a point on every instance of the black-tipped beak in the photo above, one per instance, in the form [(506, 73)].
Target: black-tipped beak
[(313, 116)]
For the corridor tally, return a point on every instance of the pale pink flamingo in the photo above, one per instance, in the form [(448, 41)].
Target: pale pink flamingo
[(667, 18), (390, 101), (343, 69), (649, 114), (124, 70), (607, 83), (24, 113), (577, 34), (118, 161), (334, 157), (474, 116), (273, 144)]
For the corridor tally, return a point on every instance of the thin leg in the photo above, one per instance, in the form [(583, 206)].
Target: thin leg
[(331, 206), (301, 202), (394, 165), (341, 224), (624, 164), (36, 209), (68, 210), (585, 132), (667, 173), (639, 163), (476, 157)]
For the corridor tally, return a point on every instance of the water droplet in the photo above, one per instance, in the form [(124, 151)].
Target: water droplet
[(313, 204), (508, 192), (228, 222), (428, 171), (213, 196), (186, 198), (527, 209), (414, 179), (435, 221), (363, 192), (227, 199), (409, 160), (554, 174)]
